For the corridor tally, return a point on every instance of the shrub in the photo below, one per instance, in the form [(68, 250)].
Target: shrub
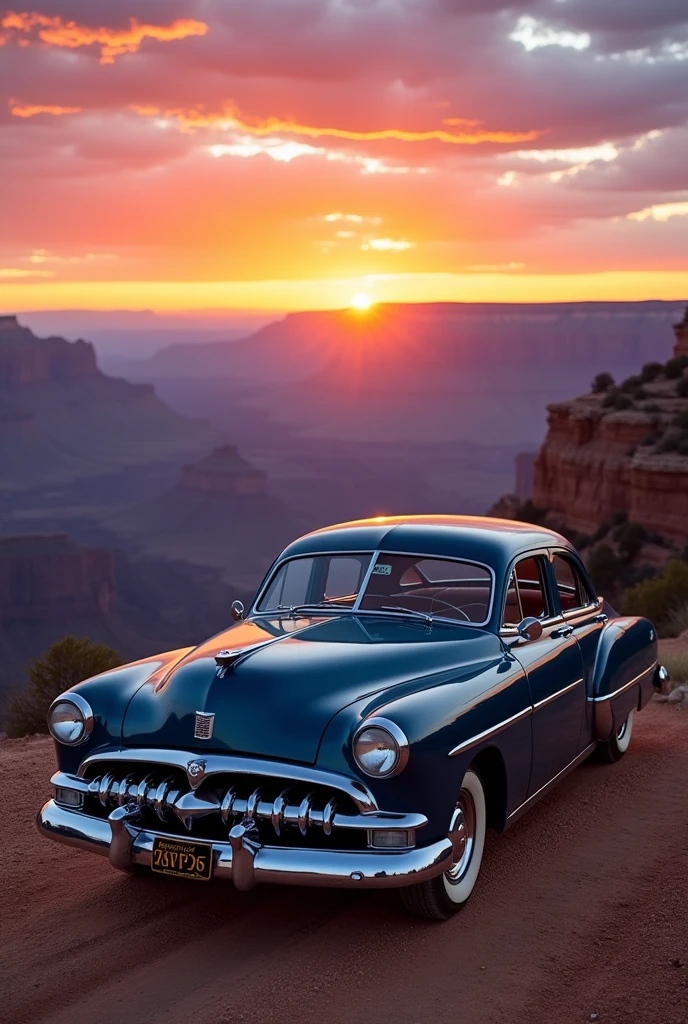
[(681, 421), (601, 531), (63, 665), (677, 621), (677, 664), (675, 367), (604, 567), (619, 517), (650, 372), (682, 446), (648, 440), (682, 388), (602, 382), (527, 512), (622, 402), (652, 407), (657, 599), (630, 538), (670, 441), (630, 384)]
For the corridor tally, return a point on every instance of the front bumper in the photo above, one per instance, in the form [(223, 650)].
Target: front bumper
[(244, 860)]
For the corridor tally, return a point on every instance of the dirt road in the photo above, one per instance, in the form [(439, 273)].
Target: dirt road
[(582, 909)]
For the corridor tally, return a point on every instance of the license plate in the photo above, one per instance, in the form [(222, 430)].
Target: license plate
[(183, 859)]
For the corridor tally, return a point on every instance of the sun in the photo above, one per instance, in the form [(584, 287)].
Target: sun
[(361, 301)]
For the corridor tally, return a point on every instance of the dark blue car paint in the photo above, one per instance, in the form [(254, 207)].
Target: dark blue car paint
[(302, 688)]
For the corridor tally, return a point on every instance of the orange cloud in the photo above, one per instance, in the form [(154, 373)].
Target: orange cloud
[(30, 110), (229, 117), (113, 42)]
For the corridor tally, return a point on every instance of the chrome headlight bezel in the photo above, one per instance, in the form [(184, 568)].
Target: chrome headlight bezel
[(398, 742), (83, 711)]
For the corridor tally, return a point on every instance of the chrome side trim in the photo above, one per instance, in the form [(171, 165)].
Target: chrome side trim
[(220, 763), (550, 785), (554, 696), (626, 686), (474, 740), (354, 869)]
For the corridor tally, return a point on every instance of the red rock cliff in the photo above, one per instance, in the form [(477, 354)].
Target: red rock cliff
[(598, 459), (26, 359), (45, 577)]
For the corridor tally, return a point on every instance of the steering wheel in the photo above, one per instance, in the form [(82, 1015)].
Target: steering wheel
[(433, 600)]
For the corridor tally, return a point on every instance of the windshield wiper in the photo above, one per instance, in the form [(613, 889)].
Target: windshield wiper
[(406, 611), (297, 609)]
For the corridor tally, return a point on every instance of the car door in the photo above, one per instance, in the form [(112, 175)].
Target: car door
[(554, 667), (582, 611)]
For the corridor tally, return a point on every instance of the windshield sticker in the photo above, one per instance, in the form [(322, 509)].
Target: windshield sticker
[(382, 570)]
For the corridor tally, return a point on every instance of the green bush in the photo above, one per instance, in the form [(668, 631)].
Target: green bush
[(605, 568), (527, 512), (659, 598), (602, 382), (650, 372), (63, 665), (677, 621), (630, 538), (675, 367)]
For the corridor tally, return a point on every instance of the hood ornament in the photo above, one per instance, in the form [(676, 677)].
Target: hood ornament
[(224, 659)]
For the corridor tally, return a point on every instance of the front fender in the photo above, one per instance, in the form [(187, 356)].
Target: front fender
[(623, 678), (436, 719), (109, 695)]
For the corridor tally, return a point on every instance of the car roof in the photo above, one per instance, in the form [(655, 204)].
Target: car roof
[(477, 538)]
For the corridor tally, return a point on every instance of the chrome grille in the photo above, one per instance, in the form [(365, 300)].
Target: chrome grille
[(280, 806)]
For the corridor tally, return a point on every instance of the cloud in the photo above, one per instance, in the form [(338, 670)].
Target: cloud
[(662, 212), (31, 110), (531, 33), (231, 118), (55, 31), (388, 245)]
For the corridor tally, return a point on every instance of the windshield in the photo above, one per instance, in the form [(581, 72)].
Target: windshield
[(405, 584)]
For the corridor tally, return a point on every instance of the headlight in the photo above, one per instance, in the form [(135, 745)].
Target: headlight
[(380, 748), (70, 719)]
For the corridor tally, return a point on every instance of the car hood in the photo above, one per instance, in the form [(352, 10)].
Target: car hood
[(291, 678)]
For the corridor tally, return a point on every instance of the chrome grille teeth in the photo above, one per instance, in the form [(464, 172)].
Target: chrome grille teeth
[(166, 796)]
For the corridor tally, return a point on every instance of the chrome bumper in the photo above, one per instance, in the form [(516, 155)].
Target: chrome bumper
[(243, 859)]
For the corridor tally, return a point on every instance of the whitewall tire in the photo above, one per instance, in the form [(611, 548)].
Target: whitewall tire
[(441, 897), (617, 744)]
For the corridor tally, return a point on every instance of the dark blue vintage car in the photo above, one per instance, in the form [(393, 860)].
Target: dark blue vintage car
[(398, 686)]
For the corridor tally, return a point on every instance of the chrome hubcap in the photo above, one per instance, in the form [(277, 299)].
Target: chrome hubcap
[(462, 836), (622, 731)]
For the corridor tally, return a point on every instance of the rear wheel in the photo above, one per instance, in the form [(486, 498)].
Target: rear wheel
[(441, 897), (617, 744)]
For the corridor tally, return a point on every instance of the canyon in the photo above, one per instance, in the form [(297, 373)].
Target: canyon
[(598, 459)]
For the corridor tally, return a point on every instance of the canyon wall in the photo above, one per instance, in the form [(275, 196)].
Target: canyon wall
[(43, 578), (224, 470), (597, 459), (25, 359)]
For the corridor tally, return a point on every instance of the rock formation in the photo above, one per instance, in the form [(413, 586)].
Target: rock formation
[(43, 578), (26, 359), (624, 449), (225, 470)]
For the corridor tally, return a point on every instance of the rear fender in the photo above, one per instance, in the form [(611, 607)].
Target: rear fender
[(624, 674)]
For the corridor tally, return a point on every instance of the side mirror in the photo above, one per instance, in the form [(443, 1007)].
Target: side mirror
[(530, 628), (238, 610)]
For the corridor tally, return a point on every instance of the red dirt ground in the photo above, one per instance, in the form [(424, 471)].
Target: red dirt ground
[(581, 910)]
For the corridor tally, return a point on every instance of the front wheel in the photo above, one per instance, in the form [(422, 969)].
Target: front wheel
[(617, 745), (441, 897)]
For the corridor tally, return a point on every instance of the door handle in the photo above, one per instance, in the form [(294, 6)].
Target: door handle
[(601, 618), (563, 631)]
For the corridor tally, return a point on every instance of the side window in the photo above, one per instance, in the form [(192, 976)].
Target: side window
[(573, 592), (526, 594)]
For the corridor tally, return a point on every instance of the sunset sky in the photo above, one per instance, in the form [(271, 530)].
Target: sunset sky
[(282, 154)]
